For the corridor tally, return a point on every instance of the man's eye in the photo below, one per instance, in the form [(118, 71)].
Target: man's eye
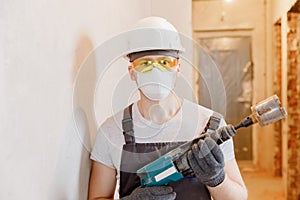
[(164, 62), (146, 63)]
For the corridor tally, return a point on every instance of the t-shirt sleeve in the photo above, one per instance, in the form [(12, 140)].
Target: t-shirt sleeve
[(227, 147), (228, 150), (101, 150)]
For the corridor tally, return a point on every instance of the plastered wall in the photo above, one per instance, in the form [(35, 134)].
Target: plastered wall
[(43, 44)]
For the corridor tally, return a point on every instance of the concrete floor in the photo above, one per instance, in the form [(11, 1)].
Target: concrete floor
[(261, 185)]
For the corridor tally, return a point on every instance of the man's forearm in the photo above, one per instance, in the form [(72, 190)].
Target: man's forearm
[(229, 190)]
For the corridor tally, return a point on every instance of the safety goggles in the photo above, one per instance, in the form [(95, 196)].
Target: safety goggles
[(164, 64)]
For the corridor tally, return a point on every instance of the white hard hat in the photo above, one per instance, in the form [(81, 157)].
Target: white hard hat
[(153, 35)]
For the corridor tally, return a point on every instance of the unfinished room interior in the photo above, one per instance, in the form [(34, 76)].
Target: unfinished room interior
[(57, 88), (268, 157)]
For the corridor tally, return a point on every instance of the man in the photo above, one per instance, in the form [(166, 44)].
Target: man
[(158, 122)]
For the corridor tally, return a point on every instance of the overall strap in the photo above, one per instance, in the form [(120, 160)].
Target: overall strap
[(127, 125)]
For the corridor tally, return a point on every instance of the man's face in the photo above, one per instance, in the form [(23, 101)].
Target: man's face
[(155, 75)]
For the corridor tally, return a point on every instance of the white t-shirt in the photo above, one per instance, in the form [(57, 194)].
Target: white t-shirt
[(186, 125)]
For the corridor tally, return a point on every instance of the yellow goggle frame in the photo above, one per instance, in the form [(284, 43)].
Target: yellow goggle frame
[(147, 64)]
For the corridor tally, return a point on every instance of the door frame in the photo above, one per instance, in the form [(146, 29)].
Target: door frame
[(243, 32)]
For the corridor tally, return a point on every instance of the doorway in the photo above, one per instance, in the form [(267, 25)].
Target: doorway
[(232, 55)]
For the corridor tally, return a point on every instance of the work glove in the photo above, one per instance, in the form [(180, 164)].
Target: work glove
[(207, 162), (152, 193)]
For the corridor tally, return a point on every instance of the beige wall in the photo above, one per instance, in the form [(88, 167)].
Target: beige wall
[(43, 45), (279, 8), (178, 12)]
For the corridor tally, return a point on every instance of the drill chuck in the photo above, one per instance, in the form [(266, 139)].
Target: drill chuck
[(265, 112)]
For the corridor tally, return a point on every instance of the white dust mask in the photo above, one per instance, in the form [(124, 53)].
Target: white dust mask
[(155, 84)]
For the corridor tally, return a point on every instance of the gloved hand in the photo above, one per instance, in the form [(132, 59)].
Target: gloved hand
[(152, 193), (207, 161)]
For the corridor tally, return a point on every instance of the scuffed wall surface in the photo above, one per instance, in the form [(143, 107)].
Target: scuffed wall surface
[(277, 90), (293, 96), (290, 92)]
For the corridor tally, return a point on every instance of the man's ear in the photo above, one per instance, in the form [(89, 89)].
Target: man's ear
[(179, 68), (131, 73)]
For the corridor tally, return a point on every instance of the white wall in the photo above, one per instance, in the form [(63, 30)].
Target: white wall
[(43, 45)]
